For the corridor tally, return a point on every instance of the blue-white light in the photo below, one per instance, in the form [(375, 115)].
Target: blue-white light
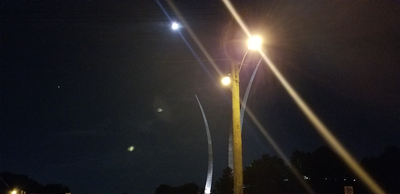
[(174, 26)]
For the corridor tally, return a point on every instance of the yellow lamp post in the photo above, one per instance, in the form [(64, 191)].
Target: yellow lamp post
[(236, 133), (254, 43)]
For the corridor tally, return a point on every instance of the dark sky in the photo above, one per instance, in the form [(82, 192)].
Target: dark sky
[(81, 81)]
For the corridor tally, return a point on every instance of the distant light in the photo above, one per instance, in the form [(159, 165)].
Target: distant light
[(14, 192), (159, 110), (131, 148), (226, 80), (174, 26)]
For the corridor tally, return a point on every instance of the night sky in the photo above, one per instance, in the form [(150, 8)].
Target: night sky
[(81, 82)]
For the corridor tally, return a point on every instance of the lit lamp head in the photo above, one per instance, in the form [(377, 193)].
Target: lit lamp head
[(254, 43), (226, 80)]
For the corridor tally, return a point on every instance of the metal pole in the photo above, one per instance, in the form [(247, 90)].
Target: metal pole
[(207, 188), (237, 135)]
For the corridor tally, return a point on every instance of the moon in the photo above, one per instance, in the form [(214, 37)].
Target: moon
[(175, 26)]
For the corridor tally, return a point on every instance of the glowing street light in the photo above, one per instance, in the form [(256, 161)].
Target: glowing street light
[(226, 80), (254, 43)]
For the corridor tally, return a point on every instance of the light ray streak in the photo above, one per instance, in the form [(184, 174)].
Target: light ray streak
[(5, 183), (187, 43), (324, 131), (195, 55), (246, 94), (297, 174), (237, 17), (194, 37), (207, 188), (320, 127)]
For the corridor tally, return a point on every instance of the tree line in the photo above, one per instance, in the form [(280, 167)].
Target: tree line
[(23, 182), (321, 171)]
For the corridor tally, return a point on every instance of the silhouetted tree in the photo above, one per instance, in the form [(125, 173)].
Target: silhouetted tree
[(188, 188), (323, 170), (166, 189), (266, 175), (23, 182), (385, 168), (224, 185), (389, 162), (301, 161), (56, 189), (19, 181), (326, 164)]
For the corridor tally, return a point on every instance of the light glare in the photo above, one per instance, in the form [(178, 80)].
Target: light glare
[(226, 80), (254, 43), (175, 26), (321, 128)]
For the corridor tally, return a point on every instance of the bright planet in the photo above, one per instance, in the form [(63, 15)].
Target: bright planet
[(131, 148)]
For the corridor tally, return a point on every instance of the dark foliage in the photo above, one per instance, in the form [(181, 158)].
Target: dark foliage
[(11, 181), (224, 185), (266, 174), (385, 168), (188, 188), (322, 170), (166, 189)]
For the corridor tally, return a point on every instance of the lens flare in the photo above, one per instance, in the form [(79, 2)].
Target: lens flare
[(226, 80), (319, 126)]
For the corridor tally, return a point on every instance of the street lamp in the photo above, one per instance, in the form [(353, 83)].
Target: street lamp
[(226, 80), (254, 43)]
